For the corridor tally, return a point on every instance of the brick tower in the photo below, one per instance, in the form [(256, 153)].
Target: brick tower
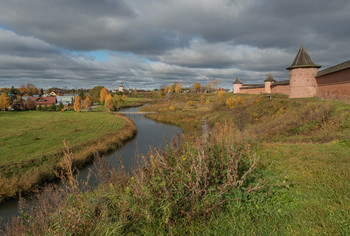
[(237, 85), (302, 74)]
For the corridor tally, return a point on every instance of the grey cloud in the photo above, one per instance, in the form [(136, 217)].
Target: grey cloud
[(181, 40)]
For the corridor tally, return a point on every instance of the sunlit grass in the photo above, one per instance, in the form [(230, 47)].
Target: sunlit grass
[(27, 135)]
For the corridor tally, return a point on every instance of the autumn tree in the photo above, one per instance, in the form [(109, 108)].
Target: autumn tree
[(108, 102), (31, 89), (166, 89), (240, 112), (215, 83), (5, 101), (22, 89), (87, 102), (220, 97), (196, 87), (77, 106), (103, 94), (171, 88), (208, 86), (178, 87)]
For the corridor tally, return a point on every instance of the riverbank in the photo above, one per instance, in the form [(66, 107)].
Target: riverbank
[(269, 166), (33, 145)]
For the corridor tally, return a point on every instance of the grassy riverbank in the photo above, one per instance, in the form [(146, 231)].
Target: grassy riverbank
[(270, 166), (32, 143)]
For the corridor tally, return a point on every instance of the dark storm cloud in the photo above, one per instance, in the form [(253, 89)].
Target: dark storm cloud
[(181, 40)]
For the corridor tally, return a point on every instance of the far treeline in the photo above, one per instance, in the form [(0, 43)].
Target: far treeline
[(25, 97)]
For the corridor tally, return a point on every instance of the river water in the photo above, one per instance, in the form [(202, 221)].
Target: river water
[(149, 134)]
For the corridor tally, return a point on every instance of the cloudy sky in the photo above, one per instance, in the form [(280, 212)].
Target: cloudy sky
[(150, 43)]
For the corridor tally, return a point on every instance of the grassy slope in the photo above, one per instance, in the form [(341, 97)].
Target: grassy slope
[(311, 153)]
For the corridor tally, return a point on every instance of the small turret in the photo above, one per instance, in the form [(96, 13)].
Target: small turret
[(237, 85), (268, 83)]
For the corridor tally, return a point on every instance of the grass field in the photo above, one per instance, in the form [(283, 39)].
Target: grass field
[(28, 135), (291, 155), (32, 144)]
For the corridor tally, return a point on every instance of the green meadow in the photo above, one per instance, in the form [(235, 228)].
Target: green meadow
[(28, 135)]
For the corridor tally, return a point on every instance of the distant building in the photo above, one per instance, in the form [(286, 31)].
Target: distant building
[(48, 101), (66, 100), (305, 80), (121, 88)]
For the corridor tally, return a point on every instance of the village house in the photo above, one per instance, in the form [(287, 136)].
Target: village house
[(305, 80), (43, 101)]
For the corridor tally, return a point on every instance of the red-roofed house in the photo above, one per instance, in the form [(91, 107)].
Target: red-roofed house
[(43, 101)]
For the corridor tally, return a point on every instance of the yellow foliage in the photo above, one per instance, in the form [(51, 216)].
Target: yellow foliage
[(77, 106), (5, 101), (220, 97), (103, 94), (190, 103), (232, 102), (108, 102), (207, 101), (171, 108), (202, 99)]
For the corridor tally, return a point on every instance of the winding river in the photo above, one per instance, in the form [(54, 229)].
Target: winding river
[(149, 134)]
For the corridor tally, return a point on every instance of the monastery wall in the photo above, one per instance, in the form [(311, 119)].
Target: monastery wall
[(252, 90), (334, 85), (284, 89)]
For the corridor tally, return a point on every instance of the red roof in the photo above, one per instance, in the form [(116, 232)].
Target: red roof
[(43, 100)]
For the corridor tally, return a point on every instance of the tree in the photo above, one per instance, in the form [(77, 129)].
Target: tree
[(166, 89), (30, 104), (108, 102), (22, 90), (196, 87), (60, 106), (31, 89), (171, 88), (77, 106), (95, 93), (215, 83), (178, 87), (5, 101), (53, 107), (220, 97), (14, 91), (82, 95), (208, 86), (87, 102), (103, 94)]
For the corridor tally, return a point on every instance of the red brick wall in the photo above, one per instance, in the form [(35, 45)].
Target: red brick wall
[(252, 91), (280, 89), (335, 85)]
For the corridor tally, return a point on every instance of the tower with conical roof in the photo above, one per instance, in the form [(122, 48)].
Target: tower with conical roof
[(237, 85), (302, 74), (268, 83)]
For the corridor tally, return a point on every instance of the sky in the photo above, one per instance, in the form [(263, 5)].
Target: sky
[(150, 43)]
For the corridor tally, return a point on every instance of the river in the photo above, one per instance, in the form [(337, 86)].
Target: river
[(149, 134)]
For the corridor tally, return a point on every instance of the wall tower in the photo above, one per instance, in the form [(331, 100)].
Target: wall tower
[(268, 83), (237, 85), (302, 74)]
